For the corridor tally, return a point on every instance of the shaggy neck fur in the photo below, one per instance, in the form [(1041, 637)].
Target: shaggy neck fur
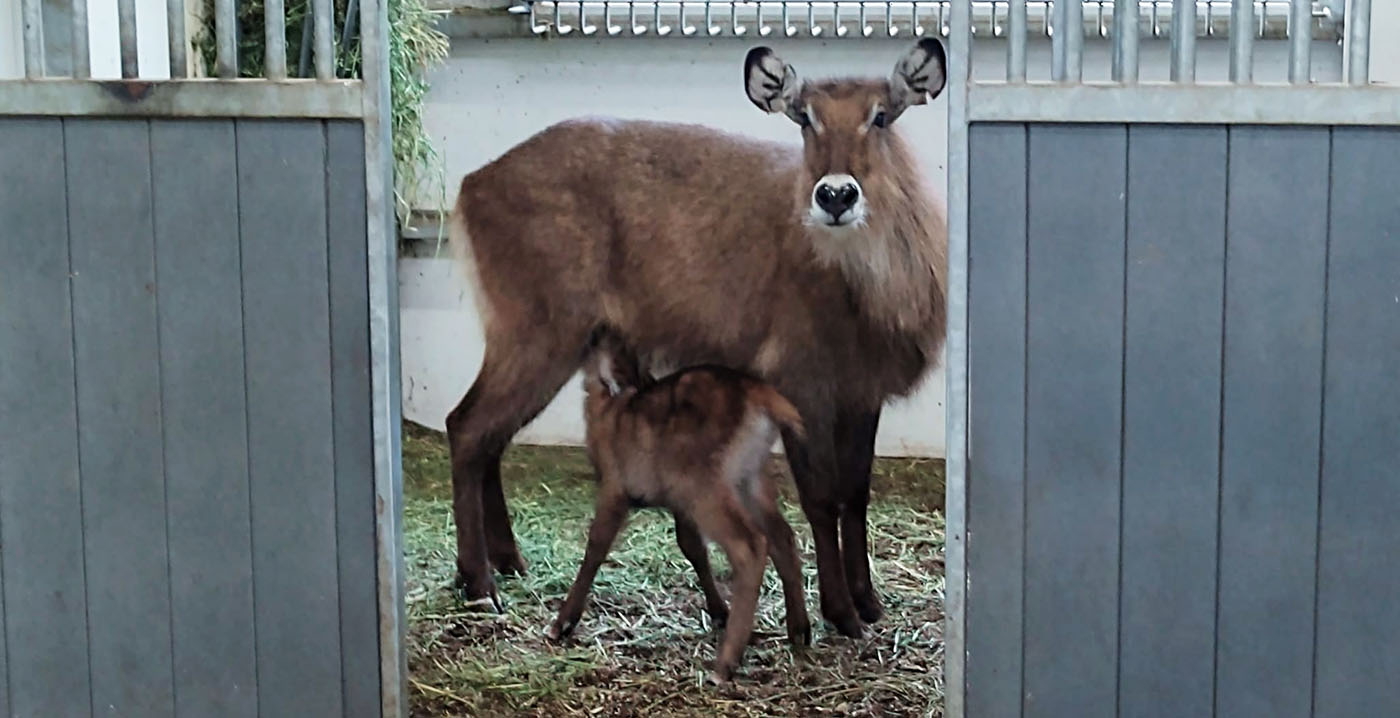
[(894, 261)]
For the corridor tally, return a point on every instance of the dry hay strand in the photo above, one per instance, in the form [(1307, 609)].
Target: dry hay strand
[(644, 643)]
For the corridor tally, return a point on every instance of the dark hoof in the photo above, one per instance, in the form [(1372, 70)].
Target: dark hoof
[(868, 606), (560, 630), (509, 564), (719, 619), (720, 675), (848, 625), (800, 634), (481, 597)]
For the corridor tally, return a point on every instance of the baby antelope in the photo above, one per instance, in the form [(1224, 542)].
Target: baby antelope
[(694, 443)]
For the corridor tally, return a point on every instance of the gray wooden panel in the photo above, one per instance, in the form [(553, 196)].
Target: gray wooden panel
[(354, 451), (45, 603), (1358, 632), (1269, 467), (996, 487), (1073, 418), (282, 210), (1171, 418), (117, 359), (206, 450)]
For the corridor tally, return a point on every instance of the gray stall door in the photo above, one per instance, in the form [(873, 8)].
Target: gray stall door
[(1184, 484), (186, 489)]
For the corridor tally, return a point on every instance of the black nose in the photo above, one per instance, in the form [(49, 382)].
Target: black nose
[(836, 200)]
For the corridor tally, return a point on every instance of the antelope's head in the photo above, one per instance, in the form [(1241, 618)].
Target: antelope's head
[(849, 149)]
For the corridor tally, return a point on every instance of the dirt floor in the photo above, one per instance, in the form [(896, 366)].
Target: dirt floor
[(644, 643)]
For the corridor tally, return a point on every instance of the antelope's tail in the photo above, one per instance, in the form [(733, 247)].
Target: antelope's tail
[(779, 409)]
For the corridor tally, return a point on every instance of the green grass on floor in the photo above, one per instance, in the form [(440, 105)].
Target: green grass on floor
[(643, 645)]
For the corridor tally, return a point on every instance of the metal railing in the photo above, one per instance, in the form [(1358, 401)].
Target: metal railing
[(1213, 19), (320, 25), (272, 92)]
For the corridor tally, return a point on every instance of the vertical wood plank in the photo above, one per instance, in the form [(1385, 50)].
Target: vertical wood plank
[(282, 210), (45, 602), (1358, 632), (206, 451), (1171, 418), (1073, 418), (997, 350), (350, 383), (1275, 262), (117, 359)]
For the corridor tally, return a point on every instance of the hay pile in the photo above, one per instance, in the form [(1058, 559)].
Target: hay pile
[(643, 644)]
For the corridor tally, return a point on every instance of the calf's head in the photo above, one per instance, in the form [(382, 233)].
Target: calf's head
[(846, 126)]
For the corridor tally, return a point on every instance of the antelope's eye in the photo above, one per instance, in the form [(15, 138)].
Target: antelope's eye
[(879, 120)]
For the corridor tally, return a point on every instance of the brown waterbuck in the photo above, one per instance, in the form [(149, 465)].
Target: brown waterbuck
[(694, 442), (819, 268)]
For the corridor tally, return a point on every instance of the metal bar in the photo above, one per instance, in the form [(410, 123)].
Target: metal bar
[(225, 34), (1167, 103), (325, 40), (1074, 40), (182, 98), (304, 50), (275, 40), (382, 256), (1067, 41), (955, 374), (175, 23), (1300, 42), (1125, 42), (1183, 41), (33, 19), (82, 63), (126, 23), (1242, 43), (1358, 24), (1016, 44)]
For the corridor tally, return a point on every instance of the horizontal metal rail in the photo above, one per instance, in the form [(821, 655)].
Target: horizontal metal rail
[(339, 99), (1172, 103), (1271, 19)]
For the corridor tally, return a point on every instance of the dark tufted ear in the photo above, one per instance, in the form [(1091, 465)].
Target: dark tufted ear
[(772, 84), (921, 74)]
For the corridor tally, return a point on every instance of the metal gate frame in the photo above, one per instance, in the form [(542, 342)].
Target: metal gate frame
[(1068, 99), (367, 100)]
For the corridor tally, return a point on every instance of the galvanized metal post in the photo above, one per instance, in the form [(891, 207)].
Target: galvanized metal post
[(1358, 24), (325, 44), (1242, 41), (82, 64), (1067, 42), (1183, 41), (225, 38), (275, 40), (175, 23), (33, 19), (385, 400), (955, 374), (1125, 42), (1016, 42), (1300, 42), (126, 23)]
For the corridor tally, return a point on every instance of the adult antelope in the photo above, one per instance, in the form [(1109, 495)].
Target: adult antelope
[(820, 269)]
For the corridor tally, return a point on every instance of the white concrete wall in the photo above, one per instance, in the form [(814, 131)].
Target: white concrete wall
[(11, 34)]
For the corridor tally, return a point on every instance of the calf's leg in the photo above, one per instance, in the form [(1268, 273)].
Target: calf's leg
[(607, 522), (693, 547), (726, 522)]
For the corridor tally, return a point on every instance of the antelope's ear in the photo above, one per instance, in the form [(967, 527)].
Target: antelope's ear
[(772, 85), (918, 76)]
